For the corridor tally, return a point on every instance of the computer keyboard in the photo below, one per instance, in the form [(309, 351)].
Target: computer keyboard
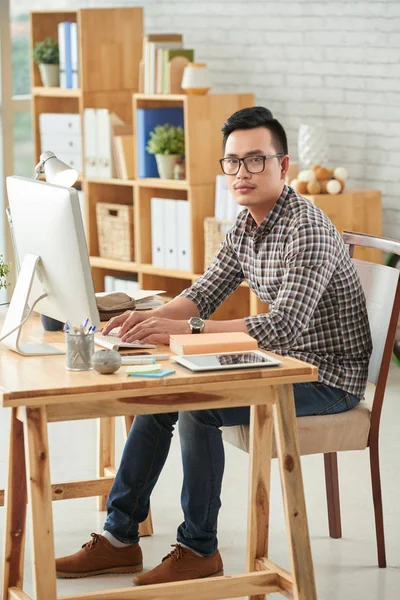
[(113, 342)]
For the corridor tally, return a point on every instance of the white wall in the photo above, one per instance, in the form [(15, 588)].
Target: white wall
[(335, 62)]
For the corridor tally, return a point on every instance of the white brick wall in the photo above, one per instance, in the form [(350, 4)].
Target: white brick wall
[(334, 62)]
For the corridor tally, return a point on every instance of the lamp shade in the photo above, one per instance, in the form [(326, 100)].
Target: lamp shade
[(56, 171)]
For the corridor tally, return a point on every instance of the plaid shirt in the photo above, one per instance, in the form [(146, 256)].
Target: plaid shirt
[(297, 262)]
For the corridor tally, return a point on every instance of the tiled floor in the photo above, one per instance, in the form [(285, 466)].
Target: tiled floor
[(345, 569)]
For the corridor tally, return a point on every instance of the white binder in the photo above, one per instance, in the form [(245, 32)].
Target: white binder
[(90, 142), (104, 147), (171, 235), (157, 232), (184, 235), (74, 55)]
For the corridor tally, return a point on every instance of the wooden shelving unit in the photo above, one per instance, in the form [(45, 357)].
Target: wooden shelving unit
[(110, 50)]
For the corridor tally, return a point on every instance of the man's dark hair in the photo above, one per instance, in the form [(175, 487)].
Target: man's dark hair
[(252, 117)]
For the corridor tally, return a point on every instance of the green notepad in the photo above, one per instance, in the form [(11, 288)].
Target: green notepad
[(156, 375), (139, 369)]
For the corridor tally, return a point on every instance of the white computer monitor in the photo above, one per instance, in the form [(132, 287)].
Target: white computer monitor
[(52, 252)]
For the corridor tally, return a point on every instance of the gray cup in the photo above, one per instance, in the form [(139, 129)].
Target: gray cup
[(80, 348)]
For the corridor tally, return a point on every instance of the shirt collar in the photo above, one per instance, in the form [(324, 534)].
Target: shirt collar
[(249, 226)]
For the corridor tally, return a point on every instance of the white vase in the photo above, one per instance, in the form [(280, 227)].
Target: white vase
[(196, 79), (50, 75), (166, 164), (312, 146)]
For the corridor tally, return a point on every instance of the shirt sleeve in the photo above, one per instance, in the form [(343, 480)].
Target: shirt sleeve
[(310, 259), (220, 280)]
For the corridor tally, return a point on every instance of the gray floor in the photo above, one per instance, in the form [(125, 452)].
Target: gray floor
[(345, 569)]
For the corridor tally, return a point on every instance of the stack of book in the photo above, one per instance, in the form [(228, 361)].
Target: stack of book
[(164, 59), (68, 50), (108, 145)]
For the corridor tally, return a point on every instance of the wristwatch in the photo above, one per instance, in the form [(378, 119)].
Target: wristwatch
[(196, 324)]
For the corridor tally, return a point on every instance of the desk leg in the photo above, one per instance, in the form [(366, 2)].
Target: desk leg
[(15, 509), (287, 446), (40, 499), (106, 451), (259, 486)]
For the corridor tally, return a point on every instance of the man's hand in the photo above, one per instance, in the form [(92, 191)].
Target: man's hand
[(152, 330), (145, 326), (128, 319)]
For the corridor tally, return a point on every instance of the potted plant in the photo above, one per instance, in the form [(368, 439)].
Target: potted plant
[(46, 56), (4, 271), (167, 143)]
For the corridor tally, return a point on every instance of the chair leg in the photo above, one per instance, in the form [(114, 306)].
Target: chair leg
[(145, 528), (332, 494), (378, 507)]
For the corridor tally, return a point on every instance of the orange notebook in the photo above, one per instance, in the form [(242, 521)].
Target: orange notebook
[(208, 343)]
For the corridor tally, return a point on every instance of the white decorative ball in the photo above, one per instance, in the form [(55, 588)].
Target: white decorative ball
[(340, 173), (307, 175), (106, 361), (333, 186)]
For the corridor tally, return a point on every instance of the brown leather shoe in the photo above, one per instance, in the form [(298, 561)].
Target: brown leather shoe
[(182, 564), (98, 557)]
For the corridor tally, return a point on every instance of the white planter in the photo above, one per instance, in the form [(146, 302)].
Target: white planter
[(165, 165), (50, 75), (312, 146)]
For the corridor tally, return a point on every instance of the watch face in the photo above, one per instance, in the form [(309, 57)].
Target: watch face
[(196, 322)]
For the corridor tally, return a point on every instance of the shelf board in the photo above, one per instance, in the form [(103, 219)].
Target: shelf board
[(173, 273), (55, 92), (114, 265), (158, 97), (166, 184), (113, 181)]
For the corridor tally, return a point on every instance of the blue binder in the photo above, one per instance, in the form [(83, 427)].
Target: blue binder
[(147, 119)]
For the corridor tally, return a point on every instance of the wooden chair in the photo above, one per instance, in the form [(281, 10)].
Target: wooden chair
[(357, 429)]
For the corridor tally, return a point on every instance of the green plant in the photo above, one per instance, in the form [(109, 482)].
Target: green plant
[(4, 271), (166, 139), (46, 52)]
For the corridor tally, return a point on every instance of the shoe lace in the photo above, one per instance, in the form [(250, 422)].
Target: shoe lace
[(176, 554), (95, 539)]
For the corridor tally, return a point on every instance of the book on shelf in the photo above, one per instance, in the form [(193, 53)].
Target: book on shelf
[(68, 54), (123, 155), (210, 343), (99, 127), (146, 121), (152, 42)]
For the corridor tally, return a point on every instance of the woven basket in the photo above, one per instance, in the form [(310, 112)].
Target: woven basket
[(214, 234), (115, 230)]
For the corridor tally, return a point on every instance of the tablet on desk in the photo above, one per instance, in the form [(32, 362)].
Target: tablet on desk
[(227, 360)]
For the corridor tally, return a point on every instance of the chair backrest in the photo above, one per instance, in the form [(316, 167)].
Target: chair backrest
[(381, 285)]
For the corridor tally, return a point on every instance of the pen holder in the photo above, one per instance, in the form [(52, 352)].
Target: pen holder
[(80, 348)]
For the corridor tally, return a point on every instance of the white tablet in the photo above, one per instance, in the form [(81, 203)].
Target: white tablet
[(227, 360)]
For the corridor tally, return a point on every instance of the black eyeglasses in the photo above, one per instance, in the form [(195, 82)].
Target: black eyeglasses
[(252, 164)]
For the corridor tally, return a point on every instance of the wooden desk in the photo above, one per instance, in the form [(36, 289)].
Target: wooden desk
[(39, 391)]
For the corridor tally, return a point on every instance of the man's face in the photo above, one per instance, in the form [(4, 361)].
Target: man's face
[(255, 189)]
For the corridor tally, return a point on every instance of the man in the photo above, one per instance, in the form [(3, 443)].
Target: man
[(294, 259)]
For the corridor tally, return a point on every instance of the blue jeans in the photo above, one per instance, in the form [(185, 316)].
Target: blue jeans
[(203, 461)]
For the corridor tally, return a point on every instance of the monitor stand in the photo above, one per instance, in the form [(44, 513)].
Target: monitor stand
[(18, 309)]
